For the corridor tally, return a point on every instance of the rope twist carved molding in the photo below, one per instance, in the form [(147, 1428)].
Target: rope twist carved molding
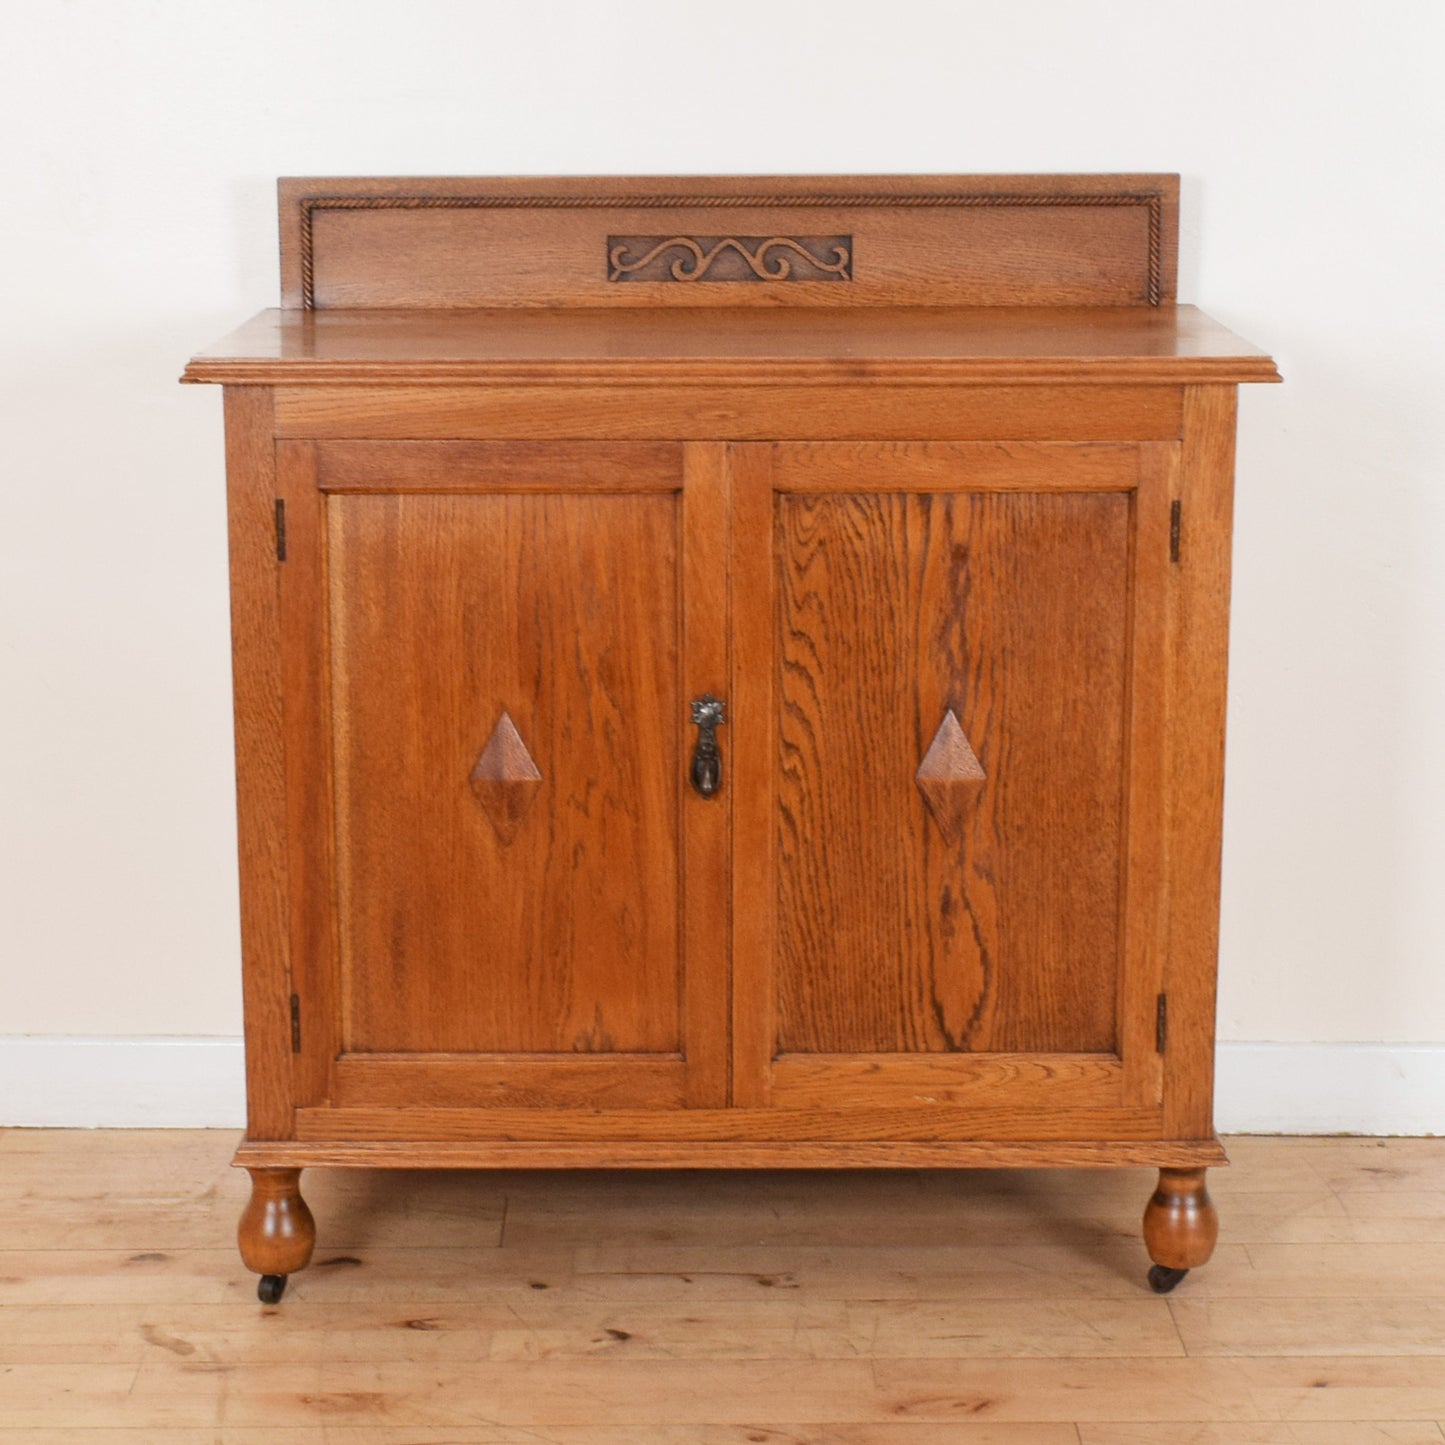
[(309, 205), (762, 258)]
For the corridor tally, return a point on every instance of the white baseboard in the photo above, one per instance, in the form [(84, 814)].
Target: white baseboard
[(50, 1081), (181, 1083), (1330, 1088)]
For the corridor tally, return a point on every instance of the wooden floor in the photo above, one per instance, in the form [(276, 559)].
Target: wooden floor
[(719, 1309)]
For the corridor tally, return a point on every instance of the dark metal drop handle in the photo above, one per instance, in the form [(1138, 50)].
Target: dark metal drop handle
[(707, 713)]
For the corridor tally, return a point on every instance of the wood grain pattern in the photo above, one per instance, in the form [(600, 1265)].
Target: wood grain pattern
[(706, 822), (753, 863), (936, 466), (863, 1118), (306, 660), (568, 1401), (534, 1080), (1010, 610), (414, 466), (746, 347), (802, 1081), (277, 1233), (124, 1320), (411, 1152), (1180, 1222), (566, 938), (260, 760), (1198, 660), (881, 411), (1317, 1432), (1145, 874), (543, 1329), (464, 242)]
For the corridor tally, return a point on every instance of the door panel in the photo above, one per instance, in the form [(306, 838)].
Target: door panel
[(502, 644), (991, 925), (505, 682), (938, 901)]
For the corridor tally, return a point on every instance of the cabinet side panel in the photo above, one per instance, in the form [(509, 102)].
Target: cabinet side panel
[(1196, 745), (508, 737), (982, 638), (260, 761)]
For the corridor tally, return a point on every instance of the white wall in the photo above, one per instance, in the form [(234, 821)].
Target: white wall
[(143, 138)]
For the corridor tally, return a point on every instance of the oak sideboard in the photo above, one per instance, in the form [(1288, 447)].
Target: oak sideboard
[(730, 673)]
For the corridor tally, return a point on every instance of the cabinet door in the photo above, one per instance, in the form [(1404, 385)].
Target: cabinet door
[(948, 753), (490, 650)]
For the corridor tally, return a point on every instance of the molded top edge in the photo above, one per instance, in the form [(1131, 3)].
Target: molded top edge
[(906, 345)]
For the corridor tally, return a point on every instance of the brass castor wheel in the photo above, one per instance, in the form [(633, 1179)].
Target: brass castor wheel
[(1162, 1279), (271, 1287)]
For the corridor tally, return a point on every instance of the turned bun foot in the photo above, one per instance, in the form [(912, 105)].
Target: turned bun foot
[(277, 1232), (1180, 1227)]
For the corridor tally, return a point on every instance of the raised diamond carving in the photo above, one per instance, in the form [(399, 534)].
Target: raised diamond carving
[(949, 777), (505, 779)]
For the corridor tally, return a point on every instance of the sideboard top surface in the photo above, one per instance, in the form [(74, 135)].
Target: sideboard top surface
[(923, 345)]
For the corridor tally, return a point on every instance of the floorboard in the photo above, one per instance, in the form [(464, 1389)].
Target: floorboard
[(783, 1308)]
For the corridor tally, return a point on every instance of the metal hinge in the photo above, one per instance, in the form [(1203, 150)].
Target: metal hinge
[(295, 1023), (1161, 1023), (280, 530), (1175, 509)]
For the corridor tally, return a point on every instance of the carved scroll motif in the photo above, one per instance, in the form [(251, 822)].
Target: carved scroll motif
[(730, 258)]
